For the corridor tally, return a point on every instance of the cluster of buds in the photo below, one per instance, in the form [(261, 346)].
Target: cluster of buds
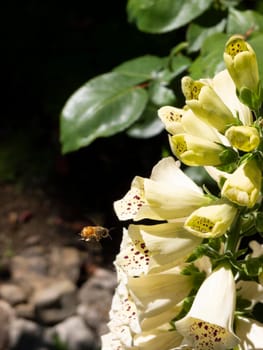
[(185, 281)]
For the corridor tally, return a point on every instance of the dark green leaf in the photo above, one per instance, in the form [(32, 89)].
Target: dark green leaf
[(104, 106), (210, 60), (176, 65), (196, 34), (244, 22), (160, 94), (148, 125), (142, 68), (160, 16)]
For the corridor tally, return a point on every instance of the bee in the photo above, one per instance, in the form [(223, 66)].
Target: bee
[(96, 233)]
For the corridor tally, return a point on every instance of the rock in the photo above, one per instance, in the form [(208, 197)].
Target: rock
[(6, 318), (55, 302), (74, 334), (25, 335), (98, 288), (65, 262), (26, 310), (12, 293)]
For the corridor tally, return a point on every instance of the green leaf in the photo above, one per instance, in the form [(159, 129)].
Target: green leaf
[(243, 22), (256, 42), (176, 65), (142, 68), (104, 106), (161, 16), (149, 125), (160, 94), (196, 34), (210, 60)]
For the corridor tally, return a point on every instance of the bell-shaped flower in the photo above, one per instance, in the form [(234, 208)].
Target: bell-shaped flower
[(160, 338), (225, 88), (110, 342), (250, 333), (157, 292), (209, 323), (197, 151), (133, 259), (244, 184), (166, 195), (166, 243), (243, 137), (241, 63), (171, 118), (211, 221), (206, 104)]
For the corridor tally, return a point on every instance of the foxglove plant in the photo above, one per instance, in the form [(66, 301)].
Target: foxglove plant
[(193, 278)]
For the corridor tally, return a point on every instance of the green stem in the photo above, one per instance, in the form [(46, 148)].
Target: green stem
[(233, 238)]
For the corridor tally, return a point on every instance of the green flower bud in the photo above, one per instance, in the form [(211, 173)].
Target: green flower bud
[(244, 138), (206, 104)]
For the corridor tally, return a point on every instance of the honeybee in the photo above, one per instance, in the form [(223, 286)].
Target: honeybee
[(96, 233)]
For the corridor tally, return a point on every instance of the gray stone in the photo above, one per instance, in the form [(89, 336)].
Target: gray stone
[(74, 333), (12, 293)]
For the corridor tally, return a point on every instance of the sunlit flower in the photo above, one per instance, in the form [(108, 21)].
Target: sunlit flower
[(156, 339), (197, 151), (250, 332), (211, 221), (244, 184), (209, 323), (241, 62), (157, 292), (243, 137), (178, 121), (225, 88), (166, 243), (167, 194), (206, 104), (171, 118)]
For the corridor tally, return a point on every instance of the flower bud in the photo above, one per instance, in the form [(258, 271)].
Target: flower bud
[(243, 185), (206, 104), (211, 221), (242, 137), (195, 151), (241, 63)]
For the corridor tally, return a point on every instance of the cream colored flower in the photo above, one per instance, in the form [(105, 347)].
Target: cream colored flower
[(211, 221), (225, 88), (243, 137), (250, 332), (165, 244), (244, 185), (197, 151), (157, 292), (206, 104), (241, 63), (166, 195), (160, 338), (209, 323)]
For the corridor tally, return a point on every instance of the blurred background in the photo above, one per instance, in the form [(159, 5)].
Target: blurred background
[(49, 49)]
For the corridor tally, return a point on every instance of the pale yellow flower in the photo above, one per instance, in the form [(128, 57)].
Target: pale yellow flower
[(166, 195), (243, 137), (196, 151), (206, 104), (241, 63), (211, 221), (244, 184)]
